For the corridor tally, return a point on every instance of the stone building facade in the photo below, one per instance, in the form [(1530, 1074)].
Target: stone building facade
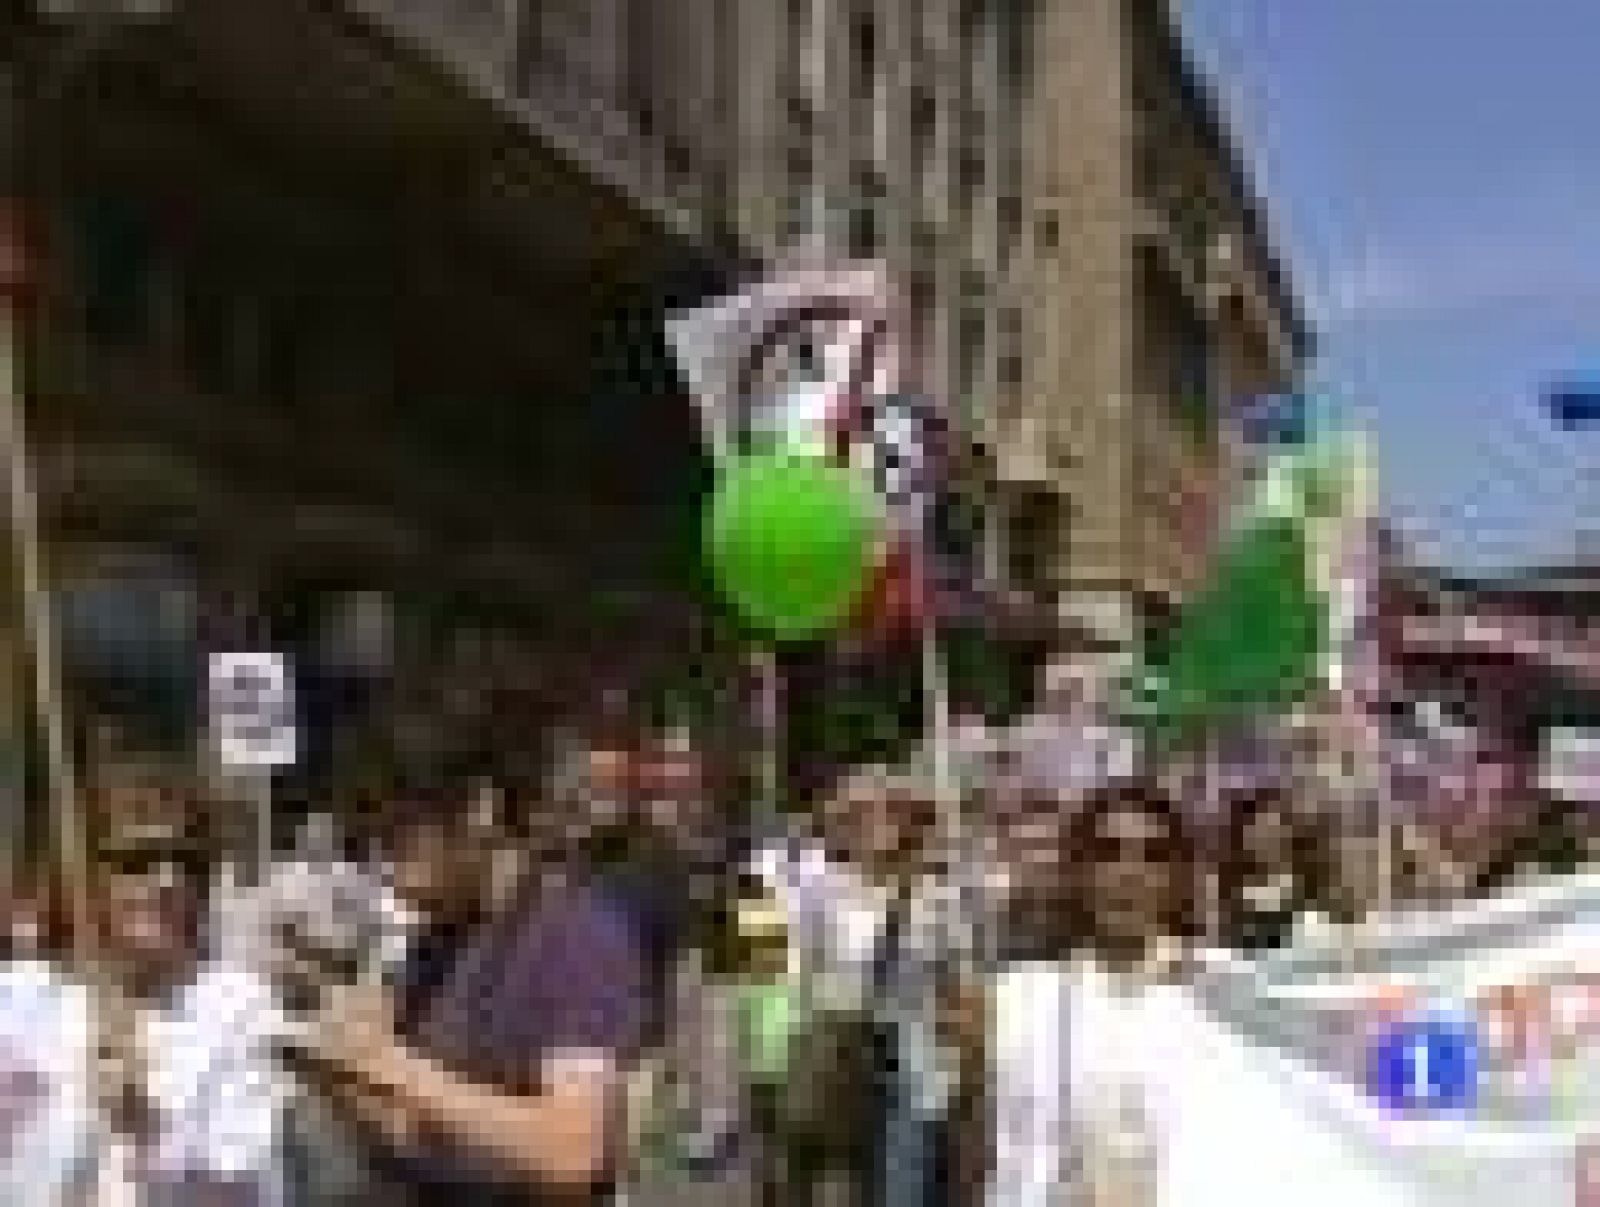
[(1062, 202), (318, 317)]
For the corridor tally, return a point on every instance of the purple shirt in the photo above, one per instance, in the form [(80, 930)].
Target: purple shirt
[(561, 971)]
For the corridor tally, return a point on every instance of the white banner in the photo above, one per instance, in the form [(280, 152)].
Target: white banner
[(1515, 980)]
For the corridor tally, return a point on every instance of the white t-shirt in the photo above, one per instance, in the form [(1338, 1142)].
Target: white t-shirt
[(47, 1138), (215, 1078)]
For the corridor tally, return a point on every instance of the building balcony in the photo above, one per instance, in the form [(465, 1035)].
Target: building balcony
[(560, 101)]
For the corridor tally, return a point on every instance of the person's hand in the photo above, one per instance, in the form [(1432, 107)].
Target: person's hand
[(353, 1030), (128, 1107)]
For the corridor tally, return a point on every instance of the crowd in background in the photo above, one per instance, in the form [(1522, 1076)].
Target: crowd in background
[(624, 979)]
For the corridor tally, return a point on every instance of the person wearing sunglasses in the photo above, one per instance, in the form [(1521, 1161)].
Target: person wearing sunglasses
[(191, 1085)]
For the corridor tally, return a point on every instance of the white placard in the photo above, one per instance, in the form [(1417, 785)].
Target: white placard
[(252, 710)]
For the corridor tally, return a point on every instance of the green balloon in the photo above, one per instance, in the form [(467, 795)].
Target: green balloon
[(790, 541)]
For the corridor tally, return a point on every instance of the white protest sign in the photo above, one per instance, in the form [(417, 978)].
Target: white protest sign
[(780, 358), (253, 710)]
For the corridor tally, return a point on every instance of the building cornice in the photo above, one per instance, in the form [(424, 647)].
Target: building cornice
[(1199, 99)]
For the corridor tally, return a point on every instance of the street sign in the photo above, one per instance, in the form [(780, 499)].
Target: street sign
[(252, 710)]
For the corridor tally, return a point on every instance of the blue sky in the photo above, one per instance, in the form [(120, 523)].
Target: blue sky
[(1434, 169)]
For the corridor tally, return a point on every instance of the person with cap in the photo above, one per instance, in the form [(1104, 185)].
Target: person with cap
[(494, 1071)]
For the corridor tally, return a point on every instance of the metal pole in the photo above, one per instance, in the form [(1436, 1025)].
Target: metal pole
[(72, 829), (262, 811), (769, 721)]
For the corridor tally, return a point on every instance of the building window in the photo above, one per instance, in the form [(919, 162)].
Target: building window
[(1014, 47), (799, 204), (866, 226), (1191, 371), (969, 176), (866, 234), (799, 164), (971, 346), (920, 299), (864, 46), (1032, 529), (924, 127), (1049, 232), (801, 114), (969, 24), (1011, 368), (1010, 223)]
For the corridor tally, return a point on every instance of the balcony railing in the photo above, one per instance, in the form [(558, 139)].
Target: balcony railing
[(557, 99)]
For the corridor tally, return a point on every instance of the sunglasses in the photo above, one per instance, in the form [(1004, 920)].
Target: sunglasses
[(168, 866)]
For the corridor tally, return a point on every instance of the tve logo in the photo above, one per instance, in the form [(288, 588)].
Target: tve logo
[(1425, 1063)]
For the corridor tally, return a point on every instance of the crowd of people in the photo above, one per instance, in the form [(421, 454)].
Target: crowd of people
[(627, 984)]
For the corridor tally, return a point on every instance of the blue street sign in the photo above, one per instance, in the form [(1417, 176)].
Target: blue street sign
[(1425, 1064), (1574, 402)]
